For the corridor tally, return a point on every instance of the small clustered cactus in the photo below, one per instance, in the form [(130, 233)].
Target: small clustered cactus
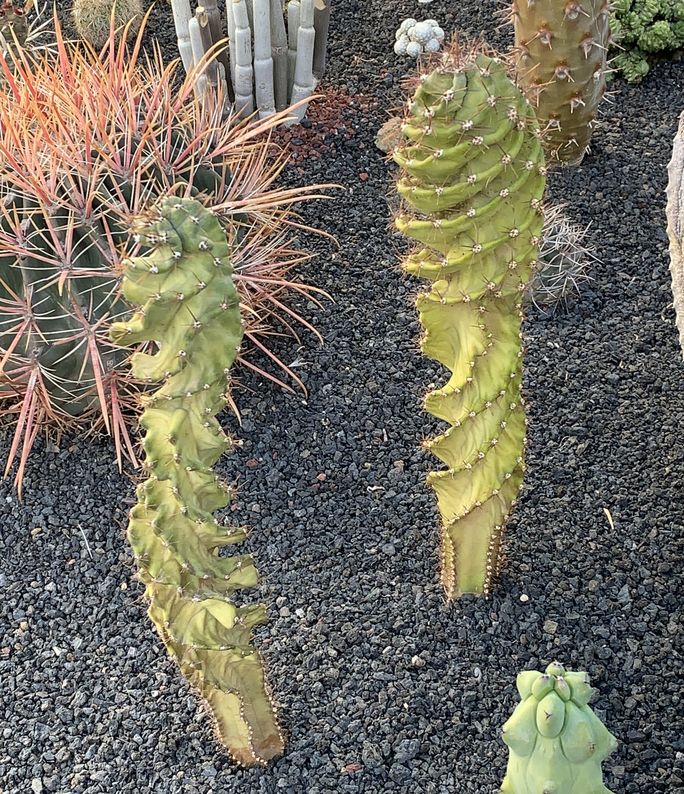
[(472, 180), (93, 19), (189, 308), (643, 28), (556, 742), (413, 38), (564, 262)]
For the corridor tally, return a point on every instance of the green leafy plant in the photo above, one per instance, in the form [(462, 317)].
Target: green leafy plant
[(555, 740), (189, 308), (86, 141), (561, 50), (642, 29), (472, 179)]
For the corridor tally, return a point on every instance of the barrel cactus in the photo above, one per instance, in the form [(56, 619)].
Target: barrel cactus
[(87, 141), (472, 179), (94, 18), (556, 742), (189, 307), (561, 50)]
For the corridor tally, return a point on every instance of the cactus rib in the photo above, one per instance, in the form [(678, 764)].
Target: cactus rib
[(472, 180), (190, 308)]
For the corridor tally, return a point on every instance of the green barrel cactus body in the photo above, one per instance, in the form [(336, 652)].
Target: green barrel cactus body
[(189, 307), (556, 742), (561, 64), (472, 181)]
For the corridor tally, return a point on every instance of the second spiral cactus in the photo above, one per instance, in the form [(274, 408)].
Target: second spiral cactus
[(561, 64), (189, 307), (472, 179), (556, 742)]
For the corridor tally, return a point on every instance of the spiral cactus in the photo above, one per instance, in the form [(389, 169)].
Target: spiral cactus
[(189, 307), (472, 178), (555, 740)]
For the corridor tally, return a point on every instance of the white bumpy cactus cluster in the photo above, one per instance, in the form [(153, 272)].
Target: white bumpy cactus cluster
[(414, 38)]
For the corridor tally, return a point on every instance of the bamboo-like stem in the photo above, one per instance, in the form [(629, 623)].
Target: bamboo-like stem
[(244, 73), (214, 16), (263, 61), (279, 54), (198, 52), (321, 26), (181, 17), (230, 26), (292, 29), (304, 80)]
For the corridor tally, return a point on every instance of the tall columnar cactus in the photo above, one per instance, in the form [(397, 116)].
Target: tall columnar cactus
[(472, 181), (561, 49), (555, 740), (189, 307)]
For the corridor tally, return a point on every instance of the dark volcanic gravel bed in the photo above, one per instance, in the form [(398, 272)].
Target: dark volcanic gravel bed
[(382, 688)]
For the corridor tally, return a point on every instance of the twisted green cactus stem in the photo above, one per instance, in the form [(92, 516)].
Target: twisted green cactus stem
[(556, 742), (561, 48), (189, 308), (472, 180)]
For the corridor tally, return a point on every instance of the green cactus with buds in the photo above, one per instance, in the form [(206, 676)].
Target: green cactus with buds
[(561, 50), (472, 181), (555, 740), (189, 307)]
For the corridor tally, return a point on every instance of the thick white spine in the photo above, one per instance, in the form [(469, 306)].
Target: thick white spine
[(181, 17), (279, 54), (304, 81), (244, 73), (292, 30)]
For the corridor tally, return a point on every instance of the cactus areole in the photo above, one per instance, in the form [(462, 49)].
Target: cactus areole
[(561, 48), (555, 740), (472, 181), (190, 309)]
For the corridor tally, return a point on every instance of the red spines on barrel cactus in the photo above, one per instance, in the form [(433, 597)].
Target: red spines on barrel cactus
[(86, 141)]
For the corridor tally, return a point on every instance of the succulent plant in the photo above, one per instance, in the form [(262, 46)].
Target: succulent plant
[(555, 740), (472, 179), (643, 28), (561, 50), (413, 38), (93, 19), (189, 308), (564, 261), (675, 225), (118, 130)]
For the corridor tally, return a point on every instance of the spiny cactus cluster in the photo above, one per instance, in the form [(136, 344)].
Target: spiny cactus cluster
[(472, 179), (564, 262), (189, 308), (13, 23), (643, 28), (94, 18), (556, 742), (561, 50), (68, 185)]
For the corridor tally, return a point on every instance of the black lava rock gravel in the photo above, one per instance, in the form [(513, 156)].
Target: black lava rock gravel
[(383, 689)]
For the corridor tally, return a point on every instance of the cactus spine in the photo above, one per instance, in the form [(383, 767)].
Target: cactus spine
[(190, 308), (556, 742), (472, 181), (562, 47), (93, 19)]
